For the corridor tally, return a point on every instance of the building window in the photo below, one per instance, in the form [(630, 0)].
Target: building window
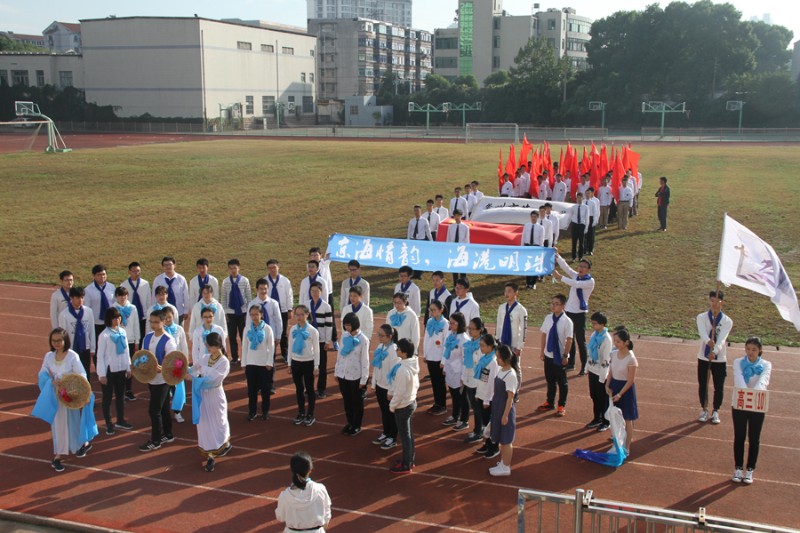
[(496, 42), (287, 50), (308, 104), (311, 52), (268, 48), (65, 78), (354, 110), (267, 105), (248, 105), (496, 62), (551, 25), (19, 77), (40, 78), (446, 62), (244, 45), (3, 77), (302, 77), (311, 77), (497, 23), (447, 43)]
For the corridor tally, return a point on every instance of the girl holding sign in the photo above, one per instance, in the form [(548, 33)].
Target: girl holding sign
[(749, 372)]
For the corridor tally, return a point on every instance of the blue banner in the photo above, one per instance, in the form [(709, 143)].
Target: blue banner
[(445, 256)]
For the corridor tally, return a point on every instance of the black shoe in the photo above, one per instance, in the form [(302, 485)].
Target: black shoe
[(582, 373), (322, 394), (299, 419), (251, 417), (493, 452), (110, 429), (130, 396), (57, 466), (83, 450), (426, 378), (272, 391), (210, 465), (309, 420), (149, 446), (483, 449), (593, 424), (475, 436), (167, 437), (264, 416), (227, 450), (123, 424), (603, 427), (353, 432), (346, 429)]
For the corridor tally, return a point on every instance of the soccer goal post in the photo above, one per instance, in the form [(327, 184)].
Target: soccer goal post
[(484, 132), (23, 135)]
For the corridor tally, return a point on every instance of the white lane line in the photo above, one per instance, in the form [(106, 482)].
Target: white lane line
[(25, 316)]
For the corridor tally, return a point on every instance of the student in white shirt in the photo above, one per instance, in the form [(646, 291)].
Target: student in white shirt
[(583, 185), (568, 185), (140, 296), (321, 318), (559, 190), (325, 271), (160, 303), (130, 319), (384, 359), (512, 325), (113, 367), (404, 319), (485, 373), (160, 343), (634, 186), (59, 300), (235, 296), (362, 311), (280, 290), (207, 301), (438, 293), (504, 413), (581, 286), (459, 203), (352, 372), (713, 326), (556, 342), (436, 331), (594, 216), (201, 333), (475, 192), (403, 381), (177, 332), (312, 267), (78, 321), (177, 288), (270, 310), (452, 363), (199, 281), (554, 235), (354, 280), (305, 505), (605, 197), (578, 221), (258, 360), (507, 189), (432, 218), (440, 210), (469, 198), (624, 207), (749, 372), (620, 384), (532, 235), (544, 188), (600, 345), (418, 228), (409, 288), (547, 227), (458, 232), (472, 353), (464, 303), (304, 364), (99, 297)]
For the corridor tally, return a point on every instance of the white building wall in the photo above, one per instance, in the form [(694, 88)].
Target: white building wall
[(514, 33), (393, 11), (57, 69), (60, 38)]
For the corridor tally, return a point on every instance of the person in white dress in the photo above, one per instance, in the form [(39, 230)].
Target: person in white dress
[(213, 430), (452, 362), (59, 362), (305, 504)]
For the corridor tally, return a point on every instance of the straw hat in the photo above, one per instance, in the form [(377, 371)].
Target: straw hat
[(144, 366), (174, 367), (74, 391)]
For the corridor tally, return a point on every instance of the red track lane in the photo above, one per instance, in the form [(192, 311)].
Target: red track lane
[(676, 462)]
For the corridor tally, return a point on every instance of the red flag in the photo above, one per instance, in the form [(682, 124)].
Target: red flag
[(618, 171), (594, 169), (500, 172), (523, 153), (511, 167), (576, 172), (604, 166), (585, 163), (634, 157), (547, 163)]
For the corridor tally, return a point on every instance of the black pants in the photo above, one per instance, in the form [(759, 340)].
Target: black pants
[(437, 383), (579, 338), (387, 417), (353, 402), (556, 376), (662, 216), (285, 335), (746, 424), (322, 379), (86, 360), (460, 404), (115, 384), (259, 380), (303, 377), (335, 334), (235, 326), (160, 412), (590, 233), (477, 410), (578, 242), (597, 391), (718, 372), (129, 381)]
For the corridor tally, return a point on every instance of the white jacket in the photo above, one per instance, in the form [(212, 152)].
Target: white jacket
[(304, 509), (405, 385)]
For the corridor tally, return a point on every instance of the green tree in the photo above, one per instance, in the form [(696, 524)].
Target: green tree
[(772, 53), (537, 81), (7, 45), (498, 78), (436, 82)]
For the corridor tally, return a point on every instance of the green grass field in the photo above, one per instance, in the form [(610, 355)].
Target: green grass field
[(256, 199)]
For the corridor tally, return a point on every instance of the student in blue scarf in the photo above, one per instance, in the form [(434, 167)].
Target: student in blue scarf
[(453, 362), (352, 372), (472, 354), (599, 346), (749, 372), (113, 368), (435, 335), (384, 359), (713, 326)]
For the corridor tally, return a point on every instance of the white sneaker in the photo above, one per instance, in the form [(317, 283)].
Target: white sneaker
[(500, 470), (703, 416), (748, 477), (715, 417), (178, 418), (737, 476)]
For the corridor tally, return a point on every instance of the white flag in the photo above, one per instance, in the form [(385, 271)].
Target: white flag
[(747, 261)]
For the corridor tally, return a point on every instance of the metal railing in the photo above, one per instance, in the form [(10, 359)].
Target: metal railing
[(582, 512)]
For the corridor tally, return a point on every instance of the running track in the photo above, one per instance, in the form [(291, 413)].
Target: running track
[(676, 462)]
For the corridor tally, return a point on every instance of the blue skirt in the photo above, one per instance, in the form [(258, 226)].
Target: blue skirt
[(627, 403)]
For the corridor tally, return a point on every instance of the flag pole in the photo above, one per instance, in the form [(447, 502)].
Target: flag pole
[(721, 241)]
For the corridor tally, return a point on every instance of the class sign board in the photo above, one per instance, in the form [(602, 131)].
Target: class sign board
[(751, 400)]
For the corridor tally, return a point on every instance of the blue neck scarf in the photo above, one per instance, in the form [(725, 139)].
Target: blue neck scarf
[(103, 299), (125, 311), (355, 309), (256, 334), (274, 292), (460, 305), (449, 343), (299, 337), (135, 300), (161, 347), (355, 282), (392, 373), (65, 295), (437, 293), (170, 293), (172, 329), (206, 333), (235, 300), (264, 313), (314, 307), (750, 369), (311, 281), (713, 333), (205, 306), (202, 282), (553, 345), (435, 326), (381, 353), (120, 340), (79, 342), (579, 292), (405, 286), (397, 319), (157, 307), (483, 362), (505, 338), (470, 347), (595, 342), (349, 344)]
